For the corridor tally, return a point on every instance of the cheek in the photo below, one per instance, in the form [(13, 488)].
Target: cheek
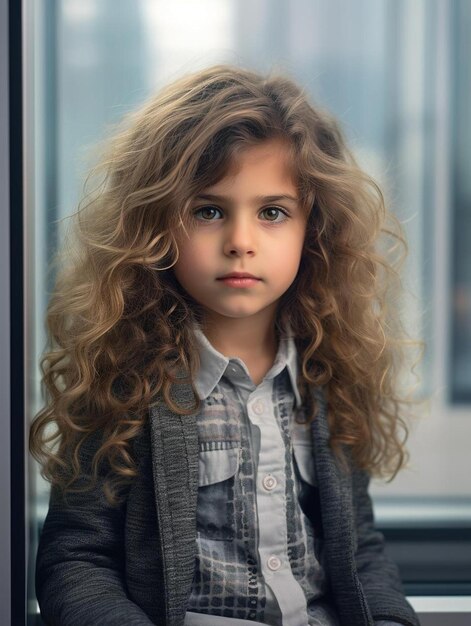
[(192, 262), (287, 259)]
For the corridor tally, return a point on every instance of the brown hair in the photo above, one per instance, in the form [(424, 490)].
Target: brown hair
[(120, 326)]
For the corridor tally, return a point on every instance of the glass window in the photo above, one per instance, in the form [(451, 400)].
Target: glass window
[(460, 229), (396, 74)]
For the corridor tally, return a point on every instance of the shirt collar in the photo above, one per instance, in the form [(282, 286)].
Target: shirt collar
[(213, 364)]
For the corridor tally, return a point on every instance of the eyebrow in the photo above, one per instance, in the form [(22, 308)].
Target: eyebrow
[(274, 198)]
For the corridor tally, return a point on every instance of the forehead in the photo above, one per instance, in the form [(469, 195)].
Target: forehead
[(263, 164)]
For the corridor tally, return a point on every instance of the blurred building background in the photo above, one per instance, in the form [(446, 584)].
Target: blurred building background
[(397, 75)]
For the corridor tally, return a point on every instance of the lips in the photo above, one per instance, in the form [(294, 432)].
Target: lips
[(239, 280), (238, 275)]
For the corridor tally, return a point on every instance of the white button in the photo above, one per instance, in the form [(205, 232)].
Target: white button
[(258, 407), (269, 482), (274, 563)]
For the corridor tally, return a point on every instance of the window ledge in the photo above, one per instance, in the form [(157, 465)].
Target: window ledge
[(441, 604)]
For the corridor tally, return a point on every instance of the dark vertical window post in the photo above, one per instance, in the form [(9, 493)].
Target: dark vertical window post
[(15, 297), (5, 526)]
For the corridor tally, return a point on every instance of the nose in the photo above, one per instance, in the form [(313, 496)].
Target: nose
[(239, 238)]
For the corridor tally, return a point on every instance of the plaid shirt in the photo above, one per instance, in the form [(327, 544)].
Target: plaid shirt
[(259, 557)]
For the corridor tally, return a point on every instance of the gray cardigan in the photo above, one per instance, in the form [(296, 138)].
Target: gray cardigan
[(133, 564)]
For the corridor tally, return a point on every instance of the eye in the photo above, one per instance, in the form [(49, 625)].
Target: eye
[(206, 213), (273, 212)]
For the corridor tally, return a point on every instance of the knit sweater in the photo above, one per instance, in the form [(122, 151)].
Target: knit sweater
[(133, 564)]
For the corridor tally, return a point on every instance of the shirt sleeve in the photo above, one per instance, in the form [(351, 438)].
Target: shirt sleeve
[(201, 619)]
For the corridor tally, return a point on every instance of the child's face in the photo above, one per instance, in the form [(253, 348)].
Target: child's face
[(241, 233)]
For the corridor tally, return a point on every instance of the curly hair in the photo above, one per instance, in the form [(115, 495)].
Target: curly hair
[(120, 327)]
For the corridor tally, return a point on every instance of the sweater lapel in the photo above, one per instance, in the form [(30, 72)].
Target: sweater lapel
[(174, 443), (337, 520)]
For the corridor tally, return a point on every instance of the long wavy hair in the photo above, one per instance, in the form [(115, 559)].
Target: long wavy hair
[(120, 327)]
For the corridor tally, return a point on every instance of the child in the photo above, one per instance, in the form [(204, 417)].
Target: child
[(221, 375)]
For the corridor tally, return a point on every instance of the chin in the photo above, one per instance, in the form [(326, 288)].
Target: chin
[(235, 313)]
